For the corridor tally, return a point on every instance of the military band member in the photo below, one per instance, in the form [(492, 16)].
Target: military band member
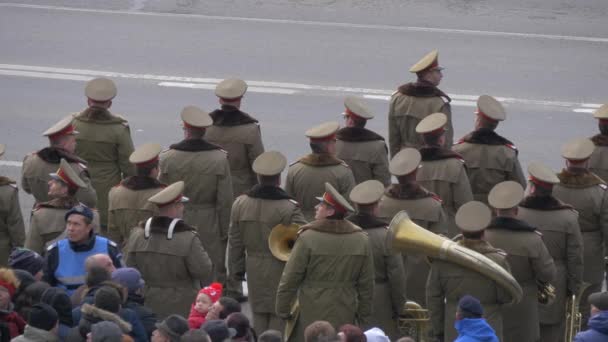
[(237, 132), (330, 271), (307, 176), (128, 201), (447, 283), (38, 165), (169, 255), (389, 276), (423, 207), (490, 158), (414, 101), (47, 223), (205, 169), (104, 142), (598, 162), (586, 192), (253, 216), (11, 221), (363, 150), (442, 171), (562, 235)]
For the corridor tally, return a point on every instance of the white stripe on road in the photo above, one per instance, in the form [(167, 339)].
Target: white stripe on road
[(54, 76), (583, 110), (321, 23), (211, 86), (10, 163)]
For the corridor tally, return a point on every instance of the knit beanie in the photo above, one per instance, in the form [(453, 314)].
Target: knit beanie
[(42, 316), (25, 259), (106, 331), (60, 301), (107, 298), (213, 291), (174, 327)]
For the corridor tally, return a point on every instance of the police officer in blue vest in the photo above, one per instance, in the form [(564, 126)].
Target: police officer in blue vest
[(65, 258)]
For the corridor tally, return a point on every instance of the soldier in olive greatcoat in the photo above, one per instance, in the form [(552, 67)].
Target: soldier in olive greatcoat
[(11, 221)]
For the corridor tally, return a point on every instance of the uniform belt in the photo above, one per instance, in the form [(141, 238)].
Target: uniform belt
[(328, 284)]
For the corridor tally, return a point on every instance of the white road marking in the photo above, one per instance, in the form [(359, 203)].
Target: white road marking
[(211, 86), (55, 76), (10, 163), (321, 23), (583, 110)]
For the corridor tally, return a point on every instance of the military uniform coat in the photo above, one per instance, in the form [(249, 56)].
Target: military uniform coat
[(331, 273), (598, 162), (128, 204), (38, 165), (47, 223), (252, 218), (12, 230), (389, 276), (205, 169), (447, 283), (239, 134), (425, 209), (411, 103), (490, 159), (530, 262), (105, 143), (172, 267), (306, 180), (443, 172), (366, 154)]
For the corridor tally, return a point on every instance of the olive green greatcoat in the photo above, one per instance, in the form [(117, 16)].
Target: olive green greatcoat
[(562, 236), (128, 204), (406, 111), (443, 172), (598, 162), (306, 180), (12, 230), (253, 216), (425, 209), (240, 135), (205, 169), (365, 152), (47, 223), (587, 194), (530, 262), (389, 276), (490, 159), (447, 283), (173, 268), (38, 165), (105, 143), (331, 273)]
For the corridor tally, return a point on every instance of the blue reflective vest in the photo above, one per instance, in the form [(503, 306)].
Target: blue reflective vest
[(70, 272)]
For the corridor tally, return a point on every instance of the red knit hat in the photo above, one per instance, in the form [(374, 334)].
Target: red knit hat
[(213, 291)]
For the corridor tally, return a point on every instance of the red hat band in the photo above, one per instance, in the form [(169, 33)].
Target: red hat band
[(64, 177), (540, 183), (348, 112), (603, 121), (231, 100), (484, 115), (175, 200), (148, 162), (438, 131), (69, 129), (324, 139), (186, 125), (331, 201)]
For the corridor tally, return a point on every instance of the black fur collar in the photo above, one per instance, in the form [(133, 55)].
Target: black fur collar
[(331, 226), (580, 180), (510, 223), (437, 153), (320, 159), (600, 140), (194, 145), (486, 136), (357, 134), (53, 155), (6, 181), (160, 225), (231, 116), (141, 183), (67, 202), (268, 192), (422, 88), (407, 191), (543, 203), (366, 221)]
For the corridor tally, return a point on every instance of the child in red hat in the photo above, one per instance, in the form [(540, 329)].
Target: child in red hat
[(204, 300)]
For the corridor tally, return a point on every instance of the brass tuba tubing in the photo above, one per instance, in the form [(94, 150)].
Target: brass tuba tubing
[(408, 237)]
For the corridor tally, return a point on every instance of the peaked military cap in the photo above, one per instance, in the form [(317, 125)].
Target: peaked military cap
[(333, 198), (231, 89), (100, 89), (357, 107), (602, 112), (541, 174), (430, 61), (473, 216), (506, 195), (145, 154), (432, 123), (490, 108), (324, 131), (67, 175), (60, 128), (405, 162), (269, 163), (368, 192), (195, 117), (578, 149), (2, 149), (599, 300), (169, 195)]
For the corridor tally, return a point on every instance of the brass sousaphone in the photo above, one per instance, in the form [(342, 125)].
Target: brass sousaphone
[(408, 237)]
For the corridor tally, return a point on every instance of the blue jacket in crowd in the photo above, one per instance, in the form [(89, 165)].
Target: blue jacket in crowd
[(474, 330), (598, 329)]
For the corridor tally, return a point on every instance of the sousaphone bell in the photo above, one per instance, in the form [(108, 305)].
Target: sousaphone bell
[(281, 240)]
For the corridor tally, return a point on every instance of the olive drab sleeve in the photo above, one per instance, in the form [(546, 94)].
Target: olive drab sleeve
[(255, 149), (394, 133), (114, 233), (396, 278), (289, 185), (574, 255), (297, 217), (224, 201), (365, 289), (441, 226), (346, 183), (16, 228), (380, 170), (236, 246), (197, 261), (462, 190), (125, 148), (293, 274), (87, 195), (435, 301), (542, 264), (33, 240), (604, 220), (517, 174), (449, 132)]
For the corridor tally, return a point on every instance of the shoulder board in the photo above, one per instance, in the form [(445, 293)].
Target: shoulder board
[(165, 150), (603, 186), (511, 146), (501, 252), (538, 232), (458, 142), (294, 163), (75, 114), (13, 185), (437, 198), (462, 160), (221, 149), (82, 166), (344, 164), (112, 243), (51, 246), (395, 92), (294, 202), (126, 124)]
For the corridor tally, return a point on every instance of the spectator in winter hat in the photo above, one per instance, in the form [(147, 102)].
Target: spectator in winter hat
[(104, 331), (241, 324), (130, 278), (271, 336), (218, 330), (222, 308), (8, 285), (170, 329), (320, 331), (27, 260), (41, 325), (204, 300), (60, 301), (351, 333)]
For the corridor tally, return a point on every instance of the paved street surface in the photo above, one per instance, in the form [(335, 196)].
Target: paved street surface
[(544, 58)]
